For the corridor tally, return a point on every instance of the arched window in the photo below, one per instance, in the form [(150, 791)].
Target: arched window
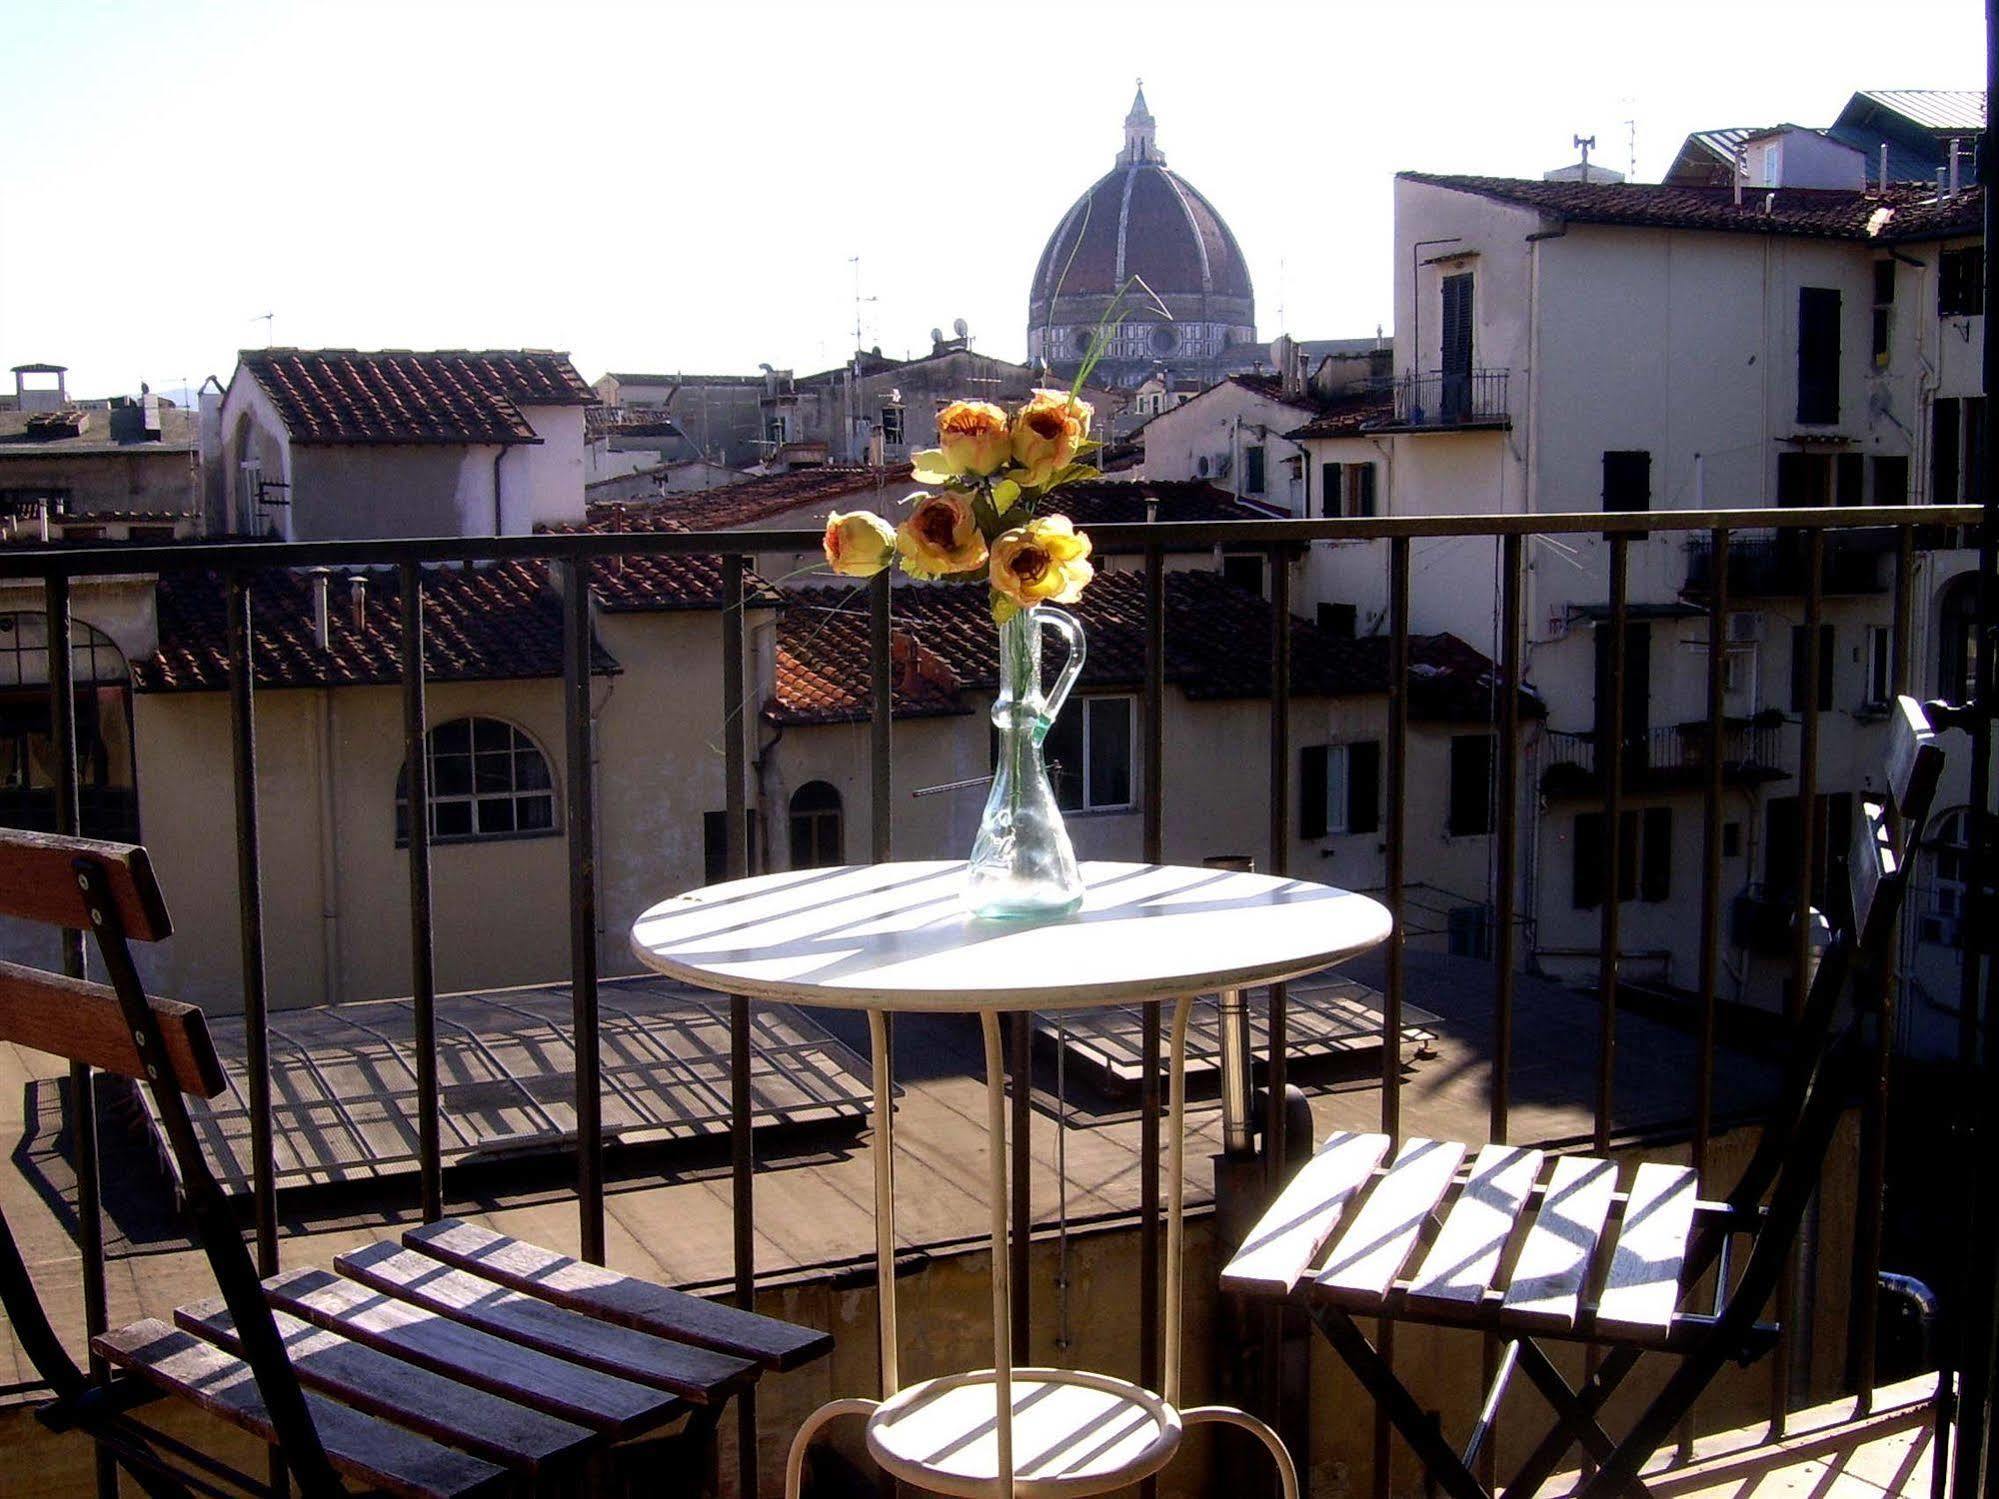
[(815, 826), (108, 805), (1957, 639), (1949, 846), (487, 780)]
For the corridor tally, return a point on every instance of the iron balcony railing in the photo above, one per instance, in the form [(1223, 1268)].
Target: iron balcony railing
[(1775, 566), (1451, 399), (572, 555), (1665, 758)]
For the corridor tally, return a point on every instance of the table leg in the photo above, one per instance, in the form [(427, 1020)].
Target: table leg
[(1176, 1190), (1002, 1287), (884, 1153)]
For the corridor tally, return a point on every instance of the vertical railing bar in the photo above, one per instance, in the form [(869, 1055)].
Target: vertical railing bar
[(1154, 840), (577, 656), (1610, 765), (82, 1083), (1392, 983), (735, 762), (1506, 852), (250, 906), (881, 720), (1275, 1151), (423, 956), (1020, 1068), (1788, 1311), (1711, 809)]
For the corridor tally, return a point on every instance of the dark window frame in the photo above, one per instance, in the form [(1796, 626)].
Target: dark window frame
[(483, 760)]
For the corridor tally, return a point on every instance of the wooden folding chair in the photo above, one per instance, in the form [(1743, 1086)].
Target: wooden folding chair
[(1372, 1228), (457, 1362)]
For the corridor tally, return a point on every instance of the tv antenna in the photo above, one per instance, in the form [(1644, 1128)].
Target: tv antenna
[(1586, 144), (266, 318), (859, 301)]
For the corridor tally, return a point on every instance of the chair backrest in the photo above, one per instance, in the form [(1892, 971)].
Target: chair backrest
[(108, 890)]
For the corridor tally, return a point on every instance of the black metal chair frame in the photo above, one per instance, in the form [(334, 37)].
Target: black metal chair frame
[(1823, 1073)]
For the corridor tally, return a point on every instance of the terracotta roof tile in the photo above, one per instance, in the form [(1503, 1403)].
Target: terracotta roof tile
[(751, 500), (397, 396), (1913, 210), (1217, 647), (480, 624), (642, 584), (1356, 414)]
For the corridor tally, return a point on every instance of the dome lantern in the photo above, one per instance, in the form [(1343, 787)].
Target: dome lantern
[(1139, 130)]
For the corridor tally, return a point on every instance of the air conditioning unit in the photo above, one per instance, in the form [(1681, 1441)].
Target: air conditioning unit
[(1745, 627)]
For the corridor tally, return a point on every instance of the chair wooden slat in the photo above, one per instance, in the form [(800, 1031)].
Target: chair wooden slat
[(1547, 1282), (432, 1404), (1870, 863), (1642, 1288), (361, 1447), (1288, 1236), (622, 1299), (1915, 759), (82, 1021), (1462, 1262), (603, 1402), (698, 1374), (38, 883), (1366, 1255)]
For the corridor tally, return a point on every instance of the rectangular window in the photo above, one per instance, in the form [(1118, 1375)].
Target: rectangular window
[(1332, 495), (1783, 838), (1655, 864), (1253, 481), (1089, 755), (714, 848), (1358, 502), (1880, 665), (1961, 282), (1884, 315), (1891, 481), (1455, 349), (1957, 450), (1338, 620), (1884, 283), (1339, 789), (1245, 570), (1644, 858), (1804, 479), (1848, 470), (1636, 686), (1818, 355), (892, 425), (1627, 480), (1470, 809), (1798, 678)]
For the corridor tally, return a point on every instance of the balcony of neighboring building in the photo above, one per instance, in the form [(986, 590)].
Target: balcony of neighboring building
[(1670, 758), (1854, 563), (1470, 400)]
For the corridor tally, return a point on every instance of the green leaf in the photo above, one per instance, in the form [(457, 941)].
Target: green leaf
[(1004, 608), (1005, 494), (927, 467)]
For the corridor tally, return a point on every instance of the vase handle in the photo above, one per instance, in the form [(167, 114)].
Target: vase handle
[(1065, 624)]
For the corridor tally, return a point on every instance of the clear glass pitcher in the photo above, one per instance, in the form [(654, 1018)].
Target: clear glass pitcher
[(1022, 864)]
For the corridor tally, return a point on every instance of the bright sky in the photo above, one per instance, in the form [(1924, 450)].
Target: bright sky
[(684, 187)]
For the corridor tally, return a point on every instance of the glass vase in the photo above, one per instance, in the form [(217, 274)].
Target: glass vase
[(1022, 864)]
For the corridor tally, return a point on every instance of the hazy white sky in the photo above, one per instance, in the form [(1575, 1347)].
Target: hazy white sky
[(670, 186)]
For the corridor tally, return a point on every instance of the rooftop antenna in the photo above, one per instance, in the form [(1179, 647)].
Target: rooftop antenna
[(1587, 144), (266, 318), (1281, 326), (1631, 149), (859, 300)]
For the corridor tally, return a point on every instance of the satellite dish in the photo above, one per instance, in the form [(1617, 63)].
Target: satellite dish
[(960, 329), (937, 335)]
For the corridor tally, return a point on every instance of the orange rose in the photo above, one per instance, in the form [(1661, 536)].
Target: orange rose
[(941, 536), (1046, 433), (858, 545), (1042, 562)]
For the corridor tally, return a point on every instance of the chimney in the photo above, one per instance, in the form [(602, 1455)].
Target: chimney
[(1741, 171), (322, 606), (1941, 176), (1884, 169), (357, 594), (1953, 166)]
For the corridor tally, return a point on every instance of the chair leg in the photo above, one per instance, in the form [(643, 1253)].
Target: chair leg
[(1540, 1464), (1570, 1416), (1417, 1429), (1287, 1470), (794, 1461), (1618, 1473)]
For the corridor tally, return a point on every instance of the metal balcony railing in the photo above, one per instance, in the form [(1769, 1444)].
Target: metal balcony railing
[(1704, 752), (1778, 566), (1451, 399), (1664, 758)]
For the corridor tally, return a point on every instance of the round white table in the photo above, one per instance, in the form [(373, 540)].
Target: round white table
[(894, 937)]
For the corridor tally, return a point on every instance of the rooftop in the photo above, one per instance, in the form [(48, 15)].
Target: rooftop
[(80, 430), (402, 396)]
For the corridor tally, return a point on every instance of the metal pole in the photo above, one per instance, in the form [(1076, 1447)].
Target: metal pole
[(1149, 1024), (423, 969), (1280, 849), (1710, 954), (881, 721), (735, 760), (1504, 950), (582, 812), (1391, 1007), (1610, 765)]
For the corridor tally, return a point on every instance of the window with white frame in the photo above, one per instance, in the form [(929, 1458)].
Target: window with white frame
[(1880, 665), (487, 780), (1089, 755), (1339, 789), (1950, 859)]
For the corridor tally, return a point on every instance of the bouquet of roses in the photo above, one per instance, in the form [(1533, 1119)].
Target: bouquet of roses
[(992, 470)]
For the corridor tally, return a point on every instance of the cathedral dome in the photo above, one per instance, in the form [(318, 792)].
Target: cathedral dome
[(1141, 219)]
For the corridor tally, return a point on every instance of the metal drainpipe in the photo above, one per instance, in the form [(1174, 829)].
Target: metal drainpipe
[(498, 511)]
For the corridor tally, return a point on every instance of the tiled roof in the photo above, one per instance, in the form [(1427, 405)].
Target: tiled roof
[(1217, 647), (1355, 414), (396, 396), (751, 500), (1105, 502), (485, 623), (653, 584), (1909, 211)]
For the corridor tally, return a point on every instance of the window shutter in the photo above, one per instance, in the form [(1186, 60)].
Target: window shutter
[(1655, 879), (1364, 501), (1627, 856), (1329, 490), (1847, 471), (1587, 889), (1312, 791), (1818, 355), (1364, 786)]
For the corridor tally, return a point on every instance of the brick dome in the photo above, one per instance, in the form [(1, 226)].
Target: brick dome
[(1141, 219)]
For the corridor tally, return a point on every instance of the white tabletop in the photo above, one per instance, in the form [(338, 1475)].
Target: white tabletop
[(895, 937)]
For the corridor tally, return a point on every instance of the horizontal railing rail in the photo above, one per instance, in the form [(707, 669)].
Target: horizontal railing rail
[(1706, 751)]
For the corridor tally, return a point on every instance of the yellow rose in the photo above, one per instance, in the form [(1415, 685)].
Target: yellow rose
[(941, 536), (1046, 433), (1042, 562), (858, 545), (973, 437)]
